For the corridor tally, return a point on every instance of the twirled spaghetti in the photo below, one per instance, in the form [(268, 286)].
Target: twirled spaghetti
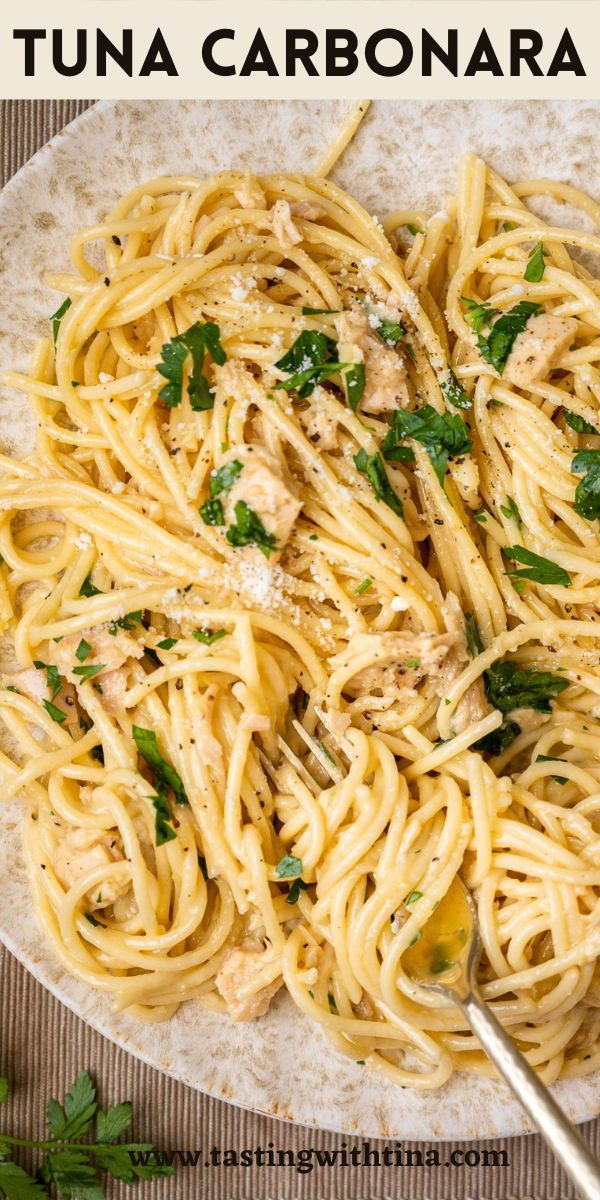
[(301, 588)]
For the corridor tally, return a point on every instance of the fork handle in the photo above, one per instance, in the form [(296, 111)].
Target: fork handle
[(561, 1135)]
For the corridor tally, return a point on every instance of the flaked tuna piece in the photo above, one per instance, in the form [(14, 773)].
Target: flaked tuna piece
[(465, 473), (108, 650), (399, 662), (321, 427), (261, 485), (538, 348), (208, 745), (33, 683), (250, 193), (82, 851), (286, 232), (307, 210), (240, 981), (385, 370), (474, 705)]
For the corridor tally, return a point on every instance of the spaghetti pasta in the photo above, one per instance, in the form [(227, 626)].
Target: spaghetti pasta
[(300, 589)]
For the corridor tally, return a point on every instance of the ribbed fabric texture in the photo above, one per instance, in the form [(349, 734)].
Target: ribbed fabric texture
[(43, 1046), (25, 125)]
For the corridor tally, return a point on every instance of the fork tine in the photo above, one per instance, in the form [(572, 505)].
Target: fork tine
[(331, 768), (304, 774)]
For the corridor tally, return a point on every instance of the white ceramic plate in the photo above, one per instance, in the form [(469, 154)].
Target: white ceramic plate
[(404, 152)]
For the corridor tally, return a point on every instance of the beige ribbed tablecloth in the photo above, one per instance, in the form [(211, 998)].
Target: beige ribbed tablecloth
[(43, 1045)]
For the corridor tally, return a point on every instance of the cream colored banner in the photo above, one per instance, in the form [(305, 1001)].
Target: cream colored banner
[(299, 48)]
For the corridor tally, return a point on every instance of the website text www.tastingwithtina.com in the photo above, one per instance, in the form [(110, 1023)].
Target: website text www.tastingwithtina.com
[(303, 1160)]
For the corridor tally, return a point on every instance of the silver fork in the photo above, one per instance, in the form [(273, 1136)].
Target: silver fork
[(457, 913), (454, 929)]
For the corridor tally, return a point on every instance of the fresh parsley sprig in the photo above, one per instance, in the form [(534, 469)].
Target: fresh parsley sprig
[(499, 739), (444, 435), (537, 568), (587, 494), (373, 466), (510, 510), (509, 686), (473, 636), (536, 264), (165, 773), (163, 829), (57, 317), (390, 332), (208, 637), (454, 391), (248, 530), (311, 359), (52, 676), (220, 480), (578, 423), (504, 328), (70, 1164), (496, 347), (196, 341)]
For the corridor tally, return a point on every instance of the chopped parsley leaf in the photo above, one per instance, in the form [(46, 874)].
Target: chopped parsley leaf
[(145, 740), (207, 637), (52, 676), (390, 332), (55, 713), (363, 587), (473, 636), (199, 338), (511, 512), (354, 381), (509, 686), (288, 867), (454, 392), (83, 650), (499, 739), (537, 568), (88, 672), (413, 897), (587, 494), (536, 264), (248, 529), (294, 893), (444, 435), (374, 468), (579, 424), (223, 479), (89, 589), (167, 643), (551, 758), (496, 347), (479, 313), (57, 317), (311, 359), (320, 312), (212, 513), (163, 828)]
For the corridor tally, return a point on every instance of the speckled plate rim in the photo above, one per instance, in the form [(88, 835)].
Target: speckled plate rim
[(324, 1085)]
